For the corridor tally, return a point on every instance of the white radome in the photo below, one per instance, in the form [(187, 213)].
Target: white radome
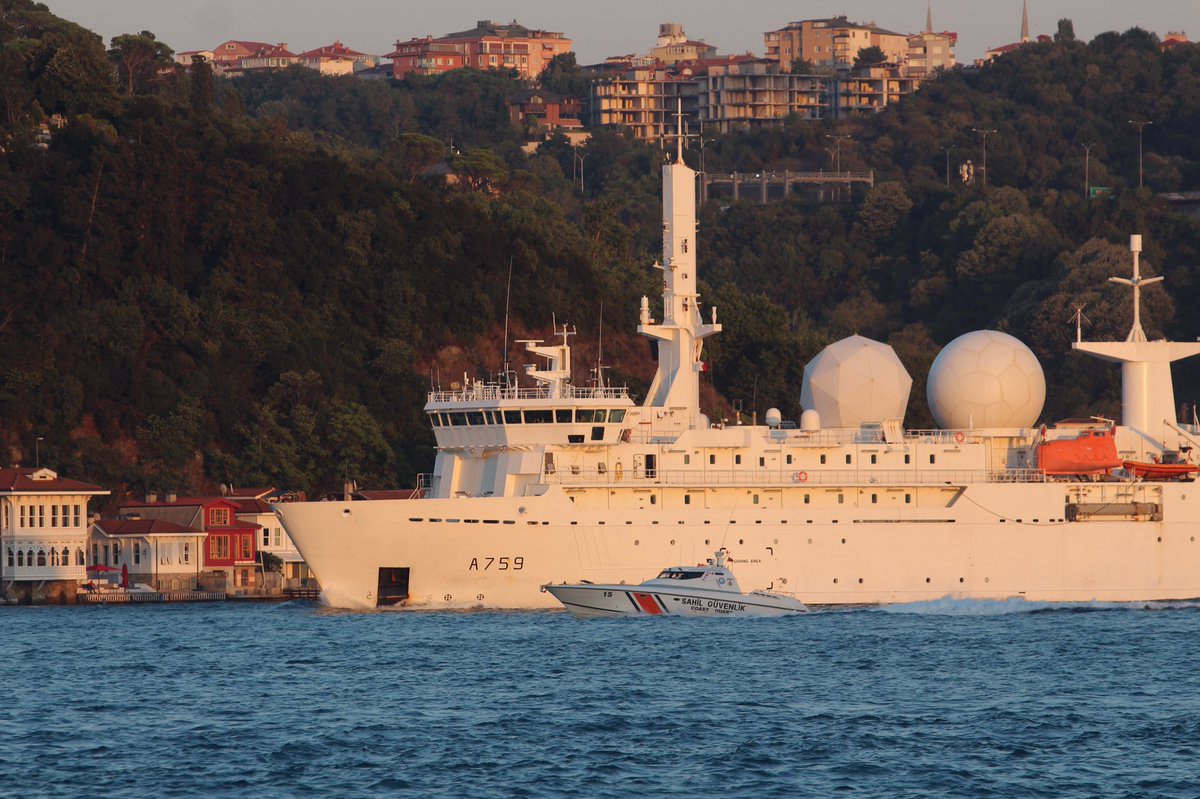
[(856, 380), (986, 379)]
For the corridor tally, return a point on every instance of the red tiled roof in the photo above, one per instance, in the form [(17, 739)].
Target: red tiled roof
[(254, 506), (20, 479), (144, 527), (335, 50)]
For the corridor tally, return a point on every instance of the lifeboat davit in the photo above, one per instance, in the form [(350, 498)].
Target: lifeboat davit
[(1093, 451)]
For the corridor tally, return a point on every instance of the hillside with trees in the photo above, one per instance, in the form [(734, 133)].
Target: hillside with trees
[(255, 281)]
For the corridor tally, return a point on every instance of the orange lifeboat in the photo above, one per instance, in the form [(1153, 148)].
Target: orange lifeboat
[(1173, 465), (1091, 452)]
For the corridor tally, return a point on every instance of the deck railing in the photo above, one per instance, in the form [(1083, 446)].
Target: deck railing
[(682, 478), (485, 393)]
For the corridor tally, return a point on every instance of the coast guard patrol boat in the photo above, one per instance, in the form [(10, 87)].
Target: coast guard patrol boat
[(550, 481)]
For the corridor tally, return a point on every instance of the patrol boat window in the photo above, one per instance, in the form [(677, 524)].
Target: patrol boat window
[(672, 574), (512, 417), (539, 417), (563, 416), (616, 415)]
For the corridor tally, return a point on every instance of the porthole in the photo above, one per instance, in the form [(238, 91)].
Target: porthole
[(707, 542), (628, 522), (1160, 539), (860, 581), (741, 541), (987, 579), (835, 580), (810, 540), (927, 579), (775, 542), (672, 542), (636, 542), (961, 580), (843, 540)]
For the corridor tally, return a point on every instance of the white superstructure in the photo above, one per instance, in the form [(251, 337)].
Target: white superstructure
[(555, 482)]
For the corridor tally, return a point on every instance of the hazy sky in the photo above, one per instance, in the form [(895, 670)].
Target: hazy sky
[(601, 28)]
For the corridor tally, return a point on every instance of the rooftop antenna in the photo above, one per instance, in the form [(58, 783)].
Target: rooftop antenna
[(507, 300)]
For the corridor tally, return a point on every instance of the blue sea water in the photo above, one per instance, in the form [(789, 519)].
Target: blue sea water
[(948, 698)]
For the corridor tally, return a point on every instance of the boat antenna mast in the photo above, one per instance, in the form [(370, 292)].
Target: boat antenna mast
[(508, 378)]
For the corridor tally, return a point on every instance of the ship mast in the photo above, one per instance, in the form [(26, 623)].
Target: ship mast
[(681, 333), (1147, 392)]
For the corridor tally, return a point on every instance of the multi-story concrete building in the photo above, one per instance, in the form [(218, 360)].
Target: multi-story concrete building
[(758, 93), (674, 46), (870, 89), (640, 100), (43, 535), (831, 42), (486, 46)]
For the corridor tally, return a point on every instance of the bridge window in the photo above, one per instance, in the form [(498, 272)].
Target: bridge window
[(475, 417), (616, 415), (458, 419), (435, 419), (539, 417), (597, 434), (512, 417), (563, 416), (586, 415)]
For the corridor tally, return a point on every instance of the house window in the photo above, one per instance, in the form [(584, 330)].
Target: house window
[(54, 516), (187, 552), (218, 547), (77, 516), (10, 557), (246, 547), (53, 557), (79, 557), (266, 536), (218, 517), (66, 515), (20, 556), (41, 557), (22, 517), (245, 577), (137, 552), (66, 557), (6, 518), (96, 554), (41, 516), (278, 537)]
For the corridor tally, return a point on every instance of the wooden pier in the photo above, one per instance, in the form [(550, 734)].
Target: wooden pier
[(765, 186)]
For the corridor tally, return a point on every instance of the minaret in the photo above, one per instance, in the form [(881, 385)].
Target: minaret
[(1147, 392), (681, 333), (929, 17), (1024, 21)]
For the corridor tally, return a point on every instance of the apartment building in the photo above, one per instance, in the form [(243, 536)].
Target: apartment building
[(757, 93), (486, 46), (831, 42)]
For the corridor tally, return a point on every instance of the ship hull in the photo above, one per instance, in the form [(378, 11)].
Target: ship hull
[(995, 541)]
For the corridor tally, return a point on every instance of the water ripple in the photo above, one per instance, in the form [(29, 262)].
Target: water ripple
[(945, 698)]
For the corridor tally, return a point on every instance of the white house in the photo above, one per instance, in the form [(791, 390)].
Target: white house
[(43, 535)]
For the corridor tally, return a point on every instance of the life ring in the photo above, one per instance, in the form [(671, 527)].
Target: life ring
[(800, 477), (959, 437)]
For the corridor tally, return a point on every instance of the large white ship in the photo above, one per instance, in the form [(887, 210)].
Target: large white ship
[(552, 482)]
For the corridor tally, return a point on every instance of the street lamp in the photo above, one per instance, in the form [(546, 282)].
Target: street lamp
[(1087, 163), (984, 133), (837, 140), (947, 151), (581, 157), (1140, 127)]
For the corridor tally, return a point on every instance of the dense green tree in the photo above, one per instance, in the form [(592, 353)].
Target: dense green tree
[(869, 56), (139, 58)]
